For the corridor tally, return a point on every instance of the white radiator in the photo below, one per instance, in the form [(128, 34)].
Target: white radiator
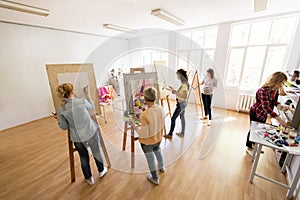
[(244, 102)]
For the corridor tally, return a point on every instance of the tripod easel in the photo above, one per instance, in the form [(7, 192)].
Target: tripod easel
[(195, 85)]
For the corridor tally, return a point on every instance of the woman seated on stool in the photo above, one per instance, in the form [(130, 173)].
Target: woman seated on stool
[(150, 133), (266, 99), (181, 96), (84, 130)]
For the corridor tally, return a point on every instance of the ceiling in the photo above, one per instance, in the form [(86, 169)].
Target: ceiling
[(89, 15)]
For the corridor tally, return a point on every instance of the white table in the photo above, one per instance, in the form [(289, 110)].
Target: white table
[(259, 143)]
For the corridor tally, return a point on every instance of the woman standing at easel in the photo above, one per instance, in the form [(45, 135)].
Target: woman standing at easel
[(84, 130), (181, 96), (209, 84)]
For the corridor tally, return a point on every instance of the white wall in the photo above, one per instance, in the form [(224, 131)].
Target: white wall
[(25, 92)]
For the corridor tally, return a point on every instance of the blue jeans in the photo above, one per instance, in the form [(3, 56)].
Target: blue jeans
[(150, 151), (179, 111), (81, 147)]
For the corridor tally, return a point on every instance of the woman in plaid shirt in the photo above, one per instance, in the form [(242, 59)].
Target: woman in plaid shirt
[(266, 100)]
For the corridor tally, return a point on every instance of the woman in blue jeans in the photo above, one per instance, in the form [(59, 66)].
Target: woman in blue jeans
[(84, 131), (150, 133), (181, 95)]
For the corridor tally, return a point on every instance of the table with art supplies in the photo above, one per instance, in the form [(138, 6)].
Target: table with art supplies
[(279, 138)]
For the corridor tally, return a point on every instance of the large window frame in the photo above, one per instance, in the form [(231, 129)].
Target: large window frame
[(267, 45), (184, 55)]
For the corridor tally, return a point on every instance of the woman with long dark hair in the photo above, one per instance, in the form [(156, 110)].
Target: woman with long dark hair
[(181, 96)]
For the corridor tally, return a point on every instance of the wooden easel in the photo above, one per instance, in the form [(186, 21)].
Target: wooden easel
[(167, 97), (128, 127), (195, 85), (53, 70)]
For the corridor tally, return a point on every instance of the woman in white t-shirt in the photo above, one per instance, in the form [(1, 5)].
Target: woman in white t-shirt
[(209, 84), (181, 96)]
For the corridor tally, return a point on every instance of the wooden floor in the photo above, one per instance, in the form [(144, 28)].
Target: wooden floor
[(34, 165)]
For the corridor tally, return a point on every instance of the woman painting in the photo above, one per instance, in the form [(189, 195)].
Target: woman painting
[(150, 133), (181, 96), (266, 100), (209, 84), (84, 131)]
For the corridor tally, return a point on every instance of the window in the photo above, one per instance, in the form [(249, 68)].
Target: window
[(197, 48), (150, 56), (257, 49)]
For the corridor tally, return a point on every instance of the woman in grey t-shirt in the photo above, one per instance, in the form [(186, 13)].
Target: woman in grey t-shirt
[(209, 84)]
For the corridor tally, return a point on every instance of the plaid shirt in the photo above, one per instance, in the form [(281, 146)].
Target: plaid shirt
[(266, 100)]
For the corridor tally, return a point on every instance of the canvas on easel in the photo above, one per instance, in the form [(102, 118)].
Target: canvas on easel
[(195, 86), (80, 75)]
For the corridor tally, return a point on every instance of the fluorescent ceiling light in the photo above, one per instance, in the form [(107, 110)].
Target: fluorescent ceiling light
[(260, 5), (23, 8), (118, 28), (167, 17)]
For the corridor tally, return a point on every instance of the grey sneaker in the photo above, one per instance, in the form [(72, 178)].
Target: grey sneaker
[(155, 182), (180, 134), (162, 170)]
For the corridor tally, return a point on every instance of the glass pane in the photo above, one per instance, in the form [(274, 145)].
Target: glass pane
[(252, 67), (182, 60), (235, 67), (184, 41), (147, 57), (155, 56), (198, 39), (211, 38), (239, 35), (165, 57), (207, 59), (282, 30), (260, 32), (195, 58), (274, 62)]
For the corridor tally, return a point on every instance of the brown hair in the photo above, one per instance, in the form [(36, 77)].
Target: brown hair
[(212, 72), (275, 81), (150, 94), (64, 91)]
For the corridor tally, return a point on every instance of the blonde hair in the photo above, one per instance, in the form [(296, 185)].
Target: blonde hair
[(150, 94), (275, 81), (64, 91)]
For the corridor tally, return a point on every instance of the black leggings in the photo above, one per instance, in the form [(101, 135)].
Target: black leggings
[(206, 98), (255, 119)]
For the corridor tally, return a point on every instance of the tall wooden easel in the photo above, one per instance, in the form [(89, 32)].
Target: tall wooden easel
[(166, 98), (53, 70), (128, 127), (195, 85)]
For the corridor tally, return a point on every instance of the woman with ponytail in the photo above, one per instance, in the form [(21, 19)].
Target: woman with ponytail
[(84, 131), (181, 97)]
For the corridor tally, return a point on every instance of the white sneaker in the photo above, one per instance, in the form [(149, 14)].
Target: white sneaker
[(209, 123), (90, 181), (203, 118), (152, 180), (101, 174)]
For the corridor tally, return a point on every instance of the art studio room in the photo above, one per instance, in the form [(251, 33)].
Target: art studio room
[(150, 99)]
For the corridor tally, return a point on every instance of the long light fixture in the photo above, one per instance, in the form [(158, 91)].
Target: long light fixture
[(118, 28), (260, 5), (164, 15), (23, 8)]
